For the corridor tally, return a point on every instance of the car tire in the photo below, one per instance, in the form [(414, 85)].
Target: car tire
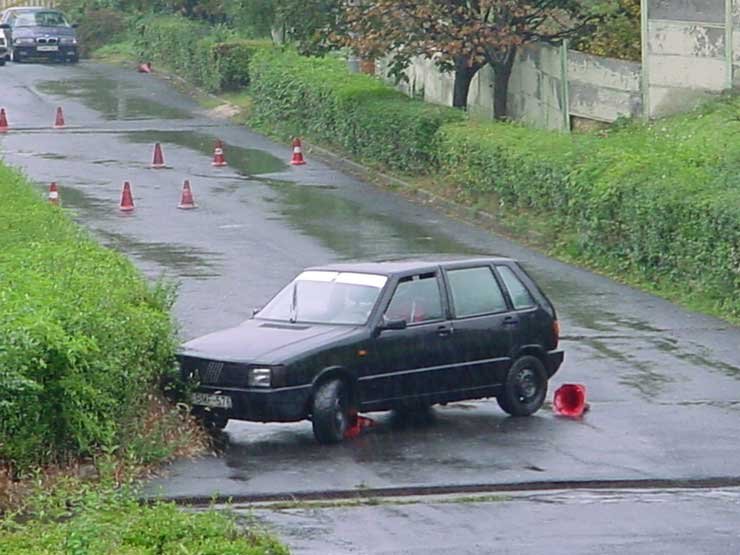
[(525, 387), (2, 61), (330, 412), (211, 422)]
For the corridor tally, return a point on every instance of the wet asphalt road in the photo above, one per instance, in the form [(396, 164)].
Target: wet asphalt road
[(664, 383)]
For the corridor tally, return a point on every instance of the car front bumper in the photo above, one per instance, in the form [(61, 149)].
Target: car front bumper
[(66, 52), (287, 404)]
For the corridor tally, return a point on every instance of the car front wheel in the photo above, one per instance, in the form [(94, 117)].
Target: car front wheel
[(331, 412), (525, 387)]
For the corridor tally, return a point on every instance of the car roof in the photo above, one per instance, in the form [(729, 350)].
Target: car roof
[(394, 267)]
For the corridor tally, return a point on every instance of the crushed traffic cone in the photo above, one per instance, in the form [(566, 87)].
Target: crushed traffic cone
[(145, 67), (297, 153), (359, 423), (59, 121), (218, 154), (54, 194), (158, 160), (570, 400), (187, 202), (127, 199), (3, 121)]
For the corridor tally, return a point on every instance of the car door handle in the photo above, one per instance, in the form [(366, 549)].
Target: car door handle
[(511, 321), (444, 331)]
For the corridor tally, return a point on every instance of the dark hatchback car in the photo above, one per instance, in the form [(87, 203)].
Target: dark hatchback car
[(38, 33), (347, 338)]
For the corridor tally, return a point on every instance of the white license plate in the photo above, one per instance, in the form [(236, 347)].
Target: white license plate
[(47, 48), (210, 400)]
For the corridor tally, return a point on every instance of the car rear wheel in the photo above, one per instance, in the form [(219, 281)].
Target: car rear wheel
[(211, 421), (525, 387), (331, 412)]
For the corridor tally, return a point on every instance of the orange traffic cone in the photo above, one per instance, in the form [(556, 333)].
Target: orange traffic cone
[(187, 202), (570, 400), (158, 160), (218, 154), (145, 67), (54, 194), (127, 199), (297, 153), (358, 424), (59, 121), (3, 121)]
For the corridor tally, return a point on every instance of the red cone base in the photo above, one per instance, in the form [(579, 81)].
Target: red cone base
[(218, 155), (158, 159), (359, 424), (145, 68), (570, 400), (59, 121), (54, 194), (127, 199), (187, 202), (297, 153), (3, 121)]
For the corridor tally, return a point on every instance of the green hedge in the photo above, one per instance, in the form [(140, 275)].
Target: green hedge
[(659, 202), (213, 58), (318, 97), (83, 338)]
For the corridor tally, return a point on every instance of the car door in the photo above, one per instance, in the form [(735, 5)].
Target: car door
[(409, 363), (484, 328)]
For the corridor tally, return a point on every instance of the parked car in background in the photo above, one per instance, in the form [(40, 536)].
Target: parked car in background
[(346, 338), (3, 48), (38, 33)]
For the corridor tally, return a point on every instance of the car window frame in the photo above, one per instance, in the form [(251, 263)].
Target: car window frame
[(510, 300), (507, 301), (442, 292)]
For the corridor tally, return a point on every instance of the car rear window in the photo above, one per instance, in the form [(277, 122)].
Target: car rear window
[(520, 295), (475, 291)]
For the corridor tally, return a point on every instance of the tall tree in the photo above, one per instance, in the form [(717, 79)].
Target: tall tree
[(460, 35)]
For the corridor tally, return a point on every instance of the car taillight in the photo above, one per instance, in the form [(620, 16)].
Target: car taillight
[(556, 332)]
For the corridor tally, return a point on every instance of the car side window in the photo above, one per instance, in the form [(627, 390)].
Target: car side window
[(520, 295), (475, 291), (416, 299)]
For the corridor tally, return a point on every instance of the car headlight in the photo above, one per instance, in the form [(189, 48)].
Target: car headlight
[(259, 377), (68, 40), (24, 41)]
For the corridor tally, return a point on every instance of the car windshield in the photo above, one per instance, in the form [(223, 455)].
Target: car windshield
[(322, 297), (40, 19)]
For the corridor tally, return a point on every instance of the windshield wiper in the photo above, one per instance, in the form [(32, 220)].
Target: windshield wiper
[(294, 304)]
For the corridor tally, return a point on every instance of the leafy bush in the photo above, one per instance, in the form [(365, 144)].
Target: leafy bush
[(318, 97), (113, 522), (99, 27), (211, 57), (655, 201), (83, 338)]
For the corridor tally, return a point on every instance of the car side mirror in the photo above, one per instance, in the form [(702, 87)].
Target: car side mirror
[(75, 25), (256, 310), (399, 324)]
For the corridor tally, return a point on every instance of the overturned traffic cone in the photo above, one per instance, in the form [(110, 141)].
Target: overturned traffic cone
[(358, 424), (158, 160), (570, 400), (186, 201), (54, 194), (127, 199), (218, 155), (59, 121), (145, 67), (297, 153), (3, 121)]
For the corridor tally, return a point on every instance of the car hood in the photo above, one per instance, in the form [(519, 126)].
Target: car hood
[(264, 342), (33, 32)]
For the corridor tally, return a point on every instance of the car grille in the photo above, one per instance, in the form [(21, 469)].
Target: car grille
[(212, 372), (47, 40)]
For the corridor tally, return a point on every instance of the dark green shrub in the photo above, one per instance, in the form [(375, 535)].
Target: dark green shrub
[(319, 98), (99, 27), (83, 338)]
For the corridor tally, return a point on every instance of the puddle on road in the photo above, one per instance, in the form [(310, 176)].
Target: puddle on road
[(186, 261), (354, 231), (246, 161), (114, 100), (79, 201)]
